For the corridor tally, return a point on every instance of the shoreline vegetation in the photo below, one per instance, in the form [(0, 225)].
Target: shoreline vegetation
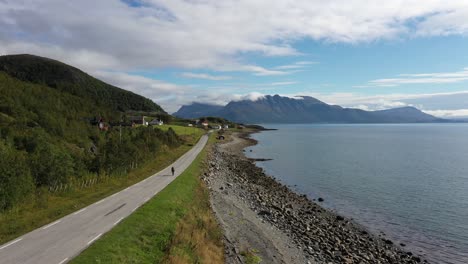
[(46, 206), (264, 220)]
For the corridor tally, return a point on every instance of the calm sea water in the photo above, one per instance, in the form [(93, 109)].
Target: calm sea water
[(408, 181)]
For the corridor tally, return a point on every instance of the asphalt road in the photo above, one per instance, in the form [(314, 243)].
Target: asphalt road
[(60, 241)]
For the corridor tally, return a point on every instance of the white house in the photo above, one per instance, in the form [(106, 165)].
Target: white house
[(156, 122)]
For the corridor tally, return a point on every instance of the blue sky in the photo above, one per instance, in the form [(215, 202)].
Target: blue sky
[(356, 53), (335, 67)]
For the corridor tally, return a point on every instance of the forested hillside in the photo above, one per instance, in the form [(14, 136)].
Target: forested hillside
[(66, 78), (46, 137)]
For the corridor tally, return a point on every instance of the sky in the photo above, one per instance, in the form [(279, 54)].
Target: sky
[(356, 53)]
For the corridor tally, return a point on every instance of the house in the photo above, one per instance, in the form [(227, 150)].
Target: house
[(190, 125), (102, 125), (137, 120), (156, 122), (225, 127), (205, 124)]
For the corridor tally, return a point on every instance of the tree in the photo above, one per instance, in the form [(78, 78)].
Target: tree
[(51, 165), (15, 178)]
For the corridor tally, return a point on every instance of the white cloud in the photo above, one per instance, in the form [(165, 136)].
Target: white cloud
[(460, 113), (282, 83), (253, 96), (306, 62), (260, 71), (289, 67), (206, 76), (450, 22), (296, 65), (209, 33), (420, 78)]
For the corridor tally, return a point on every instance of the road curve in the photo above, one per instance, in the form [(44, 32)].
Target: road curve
[(59, 241)]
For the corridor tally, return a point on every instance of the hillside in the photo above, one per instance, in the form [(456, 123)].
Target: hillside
[(47, 139), (277, 109), (68, 79)]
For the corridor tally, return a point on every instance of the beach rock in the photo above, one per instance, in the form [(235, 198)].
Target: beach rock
[(264, 212), (388, 242), (320, 199)]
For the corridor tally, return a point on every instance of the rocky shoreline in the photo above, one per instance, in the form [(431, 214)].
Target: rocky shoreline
[(294, 228)]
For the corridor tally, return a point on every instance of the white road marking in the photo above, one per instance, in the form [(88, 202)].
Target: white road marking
[(127, 188), (147, 199), (11, 243), (118, 221), (49, 225), (113, 195), (92, 240), (63, 261), (77, 212), (134, 209), (99, 201)]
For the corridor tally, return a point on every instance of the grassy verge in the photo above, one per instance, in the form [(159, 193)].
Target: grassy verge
[(176, 226), (182, 130), (46, 207)]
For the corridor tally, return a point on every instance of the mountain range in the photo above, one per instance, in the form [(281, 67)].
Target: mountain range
[(302, 109)]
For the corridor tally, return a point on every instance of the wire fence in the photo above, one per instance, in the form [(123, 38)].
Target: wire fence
[(78, 184)]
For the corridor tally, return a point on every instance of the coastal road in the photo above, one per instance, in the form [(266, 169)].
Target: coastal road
[(60, 241)]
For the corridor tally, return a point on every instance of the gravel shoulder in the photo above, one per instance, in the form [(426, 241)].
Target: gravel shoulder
[(265, 222)]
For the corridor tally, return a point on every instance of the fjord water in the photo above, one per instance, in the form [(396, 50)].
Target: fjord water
[(409, 181)]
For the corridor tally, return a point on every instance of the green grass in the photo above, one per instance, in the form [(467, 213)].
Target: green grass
[(183, 130), (47, 207), (250, 256), (175, 226)]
